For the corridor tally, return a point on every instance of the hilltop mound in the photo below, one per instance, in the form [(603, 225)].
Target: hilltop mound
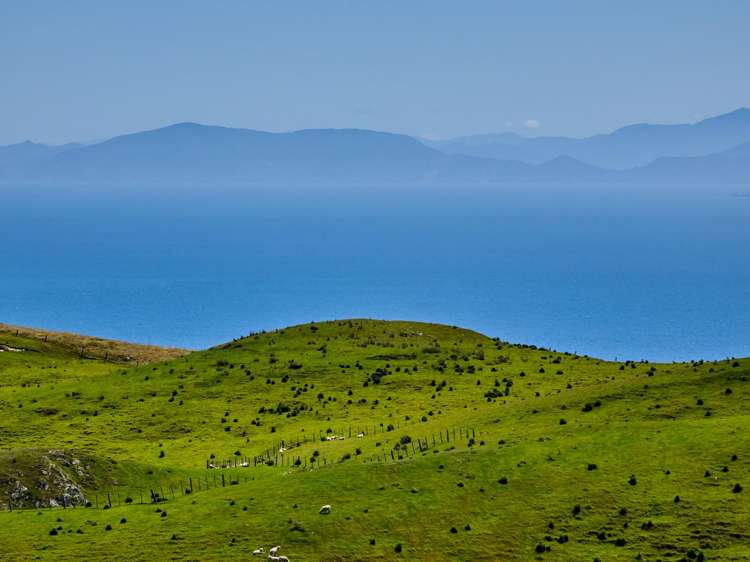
[(428, 442)]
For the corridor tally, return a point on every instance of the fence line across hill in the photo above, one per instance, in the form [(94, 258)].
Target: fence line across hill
[(156, 493), (279, 455), (229, 471)]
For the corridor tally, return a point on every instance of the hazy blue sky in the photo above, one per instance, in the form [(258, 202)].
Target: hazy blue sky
[(78, 70)]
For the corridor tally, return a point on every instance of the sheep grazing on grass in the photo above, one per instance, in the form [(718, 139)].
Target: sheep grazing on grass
[(360, 435), (259, 551), (278, 558), (274, 551), (325, 510)]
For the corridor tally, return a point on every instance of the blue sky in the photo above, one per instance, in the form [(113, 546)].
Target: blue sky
[(79, 70)]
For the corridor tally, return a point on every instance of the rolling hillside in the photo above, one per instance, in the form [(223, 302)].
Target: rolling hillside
[(428, 442)]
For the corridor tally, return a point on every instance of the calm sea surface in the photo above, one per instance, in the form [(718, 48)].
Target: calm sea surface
[(661, 274)]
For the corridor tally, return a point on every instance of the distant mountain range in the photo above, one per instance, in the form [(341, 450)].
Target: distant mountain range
[(634, 145), (716, 150)]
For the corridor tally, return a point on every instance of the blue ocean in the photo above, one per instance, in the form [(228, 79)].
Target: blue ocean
[(615, 272)]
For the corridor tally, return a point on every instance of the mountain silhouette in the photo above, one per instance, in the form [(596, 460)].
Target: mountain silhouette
[(193, 154), (627, 147)]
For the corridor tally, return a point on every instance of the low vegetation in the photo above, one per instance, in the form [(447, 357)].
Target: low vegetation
[(425, 442)]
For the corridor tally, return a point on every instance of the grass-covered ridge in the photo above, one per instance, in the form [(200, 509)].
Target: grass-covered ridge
[(551, 455)]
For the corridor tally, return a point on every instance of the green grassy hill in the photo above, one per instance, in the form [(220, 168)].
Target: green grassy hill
[(428, 442)]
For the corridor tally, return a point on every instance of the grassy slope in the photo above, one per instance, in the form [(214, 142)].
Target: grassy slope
[(90, 346), (649, 425)]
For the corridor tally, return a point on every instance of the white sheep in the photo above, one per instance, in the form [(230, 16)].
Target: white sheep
[(360, 435), (274, 551), (325, 510), (259, 551)]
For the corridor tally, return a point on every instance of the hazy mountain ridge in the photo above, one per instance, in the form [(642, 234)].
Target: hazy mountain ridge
[(626, 147), (189, 153), (18, 159)]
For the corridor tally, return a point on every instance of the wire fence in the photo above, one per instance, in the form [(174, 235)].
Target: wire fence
[(232, 471)]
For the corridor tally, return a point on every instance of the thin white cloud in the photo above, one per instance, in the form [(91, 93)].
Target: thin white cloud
[(532, 124)]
